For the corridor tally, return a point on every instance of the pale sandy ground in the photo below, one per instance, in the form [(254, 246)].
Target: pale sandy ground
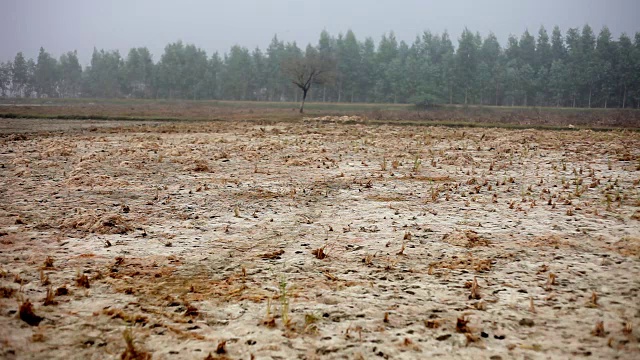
[(195, 234)]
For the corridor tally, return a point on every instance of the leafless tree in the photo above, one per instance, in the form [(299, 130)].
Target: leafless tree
[(308, 70)]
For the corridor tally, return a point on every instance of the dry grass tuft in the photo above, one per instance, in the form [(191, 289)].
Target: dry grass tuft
[(44, 278), (82, 280), (594, 300), (319, 253), (6, 292), (50, 298), (368, 259), (105, 224), (222, 347), (466, 238), (461, 325), (130, 352), (201, 166), (432, 324), (26, 314), (48, 262), (532, 307), (62, 290), (401, 252), (269, 321), (129, 318), (191, 310), (467, 262), (475, 293), (272, 255), (599, 329)]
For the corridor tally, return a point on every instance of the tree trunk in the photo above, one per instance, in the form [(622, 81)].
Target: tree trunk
[(590, 92), (324, 93), (304, 97), (496, 94), (466, 94), (605, 103), (624, 97)]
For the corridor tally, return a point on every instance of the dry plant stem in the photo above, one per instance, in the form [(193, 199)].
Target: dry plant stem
[(27, 314)]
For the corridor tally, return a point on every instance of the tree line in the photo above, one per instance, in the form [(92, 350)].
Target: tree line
[(575, 69)]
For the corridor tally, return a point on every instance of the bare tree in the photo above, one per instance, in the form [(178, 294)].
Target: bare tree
[(308, 70)]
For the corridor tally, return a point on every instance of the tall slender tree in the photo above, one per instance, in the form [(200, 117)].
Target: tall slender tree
[(70, 72), (19, 75), (46, 75)]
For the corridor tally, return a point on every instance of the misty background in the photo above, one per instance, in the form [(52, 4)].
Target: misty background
[(215, 26), (572, 53)]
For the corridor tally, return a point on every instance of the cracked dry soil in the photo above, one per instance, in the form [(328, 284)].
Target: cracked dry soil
[(317, 240)]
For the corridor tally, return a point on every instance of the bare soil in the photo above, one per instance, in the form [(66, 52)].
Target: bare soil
[(316, 240)]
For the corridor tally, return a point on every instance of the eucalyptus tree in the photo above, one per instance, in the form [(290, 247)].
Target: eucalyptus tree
[(625, 69), (467, 62), (138, 73), (258, 76), (574, 64), (276, 83), (589, 65), (558, 78), (387, 52), (558, 47), (542, 66), (46, 76), (366, 81), (447, 66), (5, 79), (103, 78), (605, 50), (492, 72), (237, 75), (19, 75), (349, 65), (70, 72)]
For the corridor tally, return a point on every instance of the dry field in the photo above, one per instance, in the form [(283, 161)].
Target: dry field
[(242, 240)]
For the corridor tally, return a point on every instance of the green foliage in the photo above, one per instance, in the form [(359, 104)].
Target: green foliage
[(103, 77), (580, 69), (19, 75), (70, 75), (5, 79), (46, 75)]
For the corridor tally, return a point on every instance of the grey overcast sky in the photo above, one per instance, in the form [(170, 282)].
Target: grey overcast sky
[(63, 25)]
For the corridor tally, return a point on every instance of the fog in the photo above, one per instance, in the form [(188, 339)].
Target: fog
[(81, 25)]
